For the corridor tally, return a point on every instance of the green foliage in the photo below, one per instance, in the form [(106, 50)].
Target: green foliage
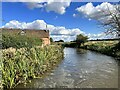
[(60, 41), (104, 47), (81, 38), (70, 44), (24, 58), (21, 65), (51, 39), (19, 41)]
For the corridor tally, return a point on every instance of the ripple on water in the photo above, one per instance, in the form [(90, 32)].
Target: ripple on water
[(106, 71), (78, 83), (81, 76), (88, 70)]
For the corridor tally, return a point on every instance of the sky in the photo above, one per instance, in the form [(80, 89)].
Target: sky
[(64, 20)]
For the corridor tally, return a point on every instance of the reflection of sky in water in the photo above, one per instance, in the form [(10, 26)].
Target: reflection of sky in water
[(81, 69)]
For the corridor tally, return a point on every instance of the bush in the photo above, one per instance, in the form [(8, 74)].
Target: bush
[(70, 44), (19, 41)]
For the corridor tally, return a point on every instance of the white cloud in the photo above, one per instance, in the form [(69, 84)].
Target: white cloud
[(37, 24), (15, 24), (74, 15), (96, 36), (96, 12), (58, 1), (63, 37), (101, 13), (49, 5), (86, 9), (58, 7), (56, 32), (33, 5), (100, 36)]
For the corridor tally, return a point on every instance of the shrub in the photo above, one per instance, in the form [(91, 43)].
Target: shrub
[(19, 41)]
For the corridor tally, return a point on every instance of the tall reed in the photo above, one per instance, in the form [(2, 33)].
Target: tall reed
[(21, 65)]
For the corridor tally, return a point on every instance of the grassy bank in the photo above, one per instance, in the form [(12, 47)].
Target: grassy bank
[(21, 65), (106, 47), (110, 48)]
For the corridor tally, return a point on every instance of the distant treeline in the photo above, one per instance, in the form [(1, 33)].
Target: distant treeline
[(105, 39)]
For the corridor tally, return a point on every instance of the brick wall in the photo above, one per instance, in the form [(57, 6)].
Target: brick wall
[(46, 41)]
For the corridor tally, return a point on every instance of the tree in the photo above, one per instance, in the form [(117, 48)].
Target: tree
[(110, 19), (60, 41), (51, 39), (81, 39)]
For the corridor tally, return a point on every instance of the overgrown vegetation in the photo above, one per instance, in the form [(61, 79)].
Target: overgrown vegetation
[(23, 58), (111, 48), (70, 44), (106, 47), (19, 41), (21, 65), (81, 39), (51, 39)]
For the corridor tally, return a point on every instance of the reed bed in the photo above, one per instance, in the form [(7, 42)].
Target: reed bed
[(22, 65)]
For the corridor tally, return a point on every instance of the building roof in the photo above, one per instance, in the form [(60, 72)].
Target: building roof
[(28, 32)]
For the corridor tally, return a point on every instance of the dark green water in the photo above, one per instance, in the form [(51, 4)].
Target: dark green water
[(80, 69)]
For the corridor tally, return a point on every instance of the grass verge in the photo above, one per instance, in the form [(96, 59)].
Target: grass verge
[(110, 48)]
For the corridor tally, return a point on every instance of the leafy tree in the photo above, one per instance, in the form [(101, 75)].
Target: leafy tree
[(81, 39), (61, 40), (51, 39)]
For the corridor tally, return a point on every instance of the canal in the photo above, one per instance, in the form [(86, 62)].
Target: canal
[(80, 69)]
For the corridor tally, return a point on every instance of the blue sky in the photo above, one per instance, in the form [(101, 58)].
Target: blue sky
[(19, 11), (22, 13)]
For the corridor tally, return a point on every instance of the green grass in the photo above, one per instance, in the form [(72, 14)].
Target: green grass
[(21, 65), (110, 48), (106, 47)]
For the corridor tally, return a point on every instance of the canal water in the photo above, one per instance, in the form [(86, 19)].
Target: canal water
[(80, 69)]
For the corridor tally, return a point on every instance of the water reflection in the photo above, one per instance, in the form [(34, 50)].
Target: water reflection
[(81, 69), (81, 51)]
